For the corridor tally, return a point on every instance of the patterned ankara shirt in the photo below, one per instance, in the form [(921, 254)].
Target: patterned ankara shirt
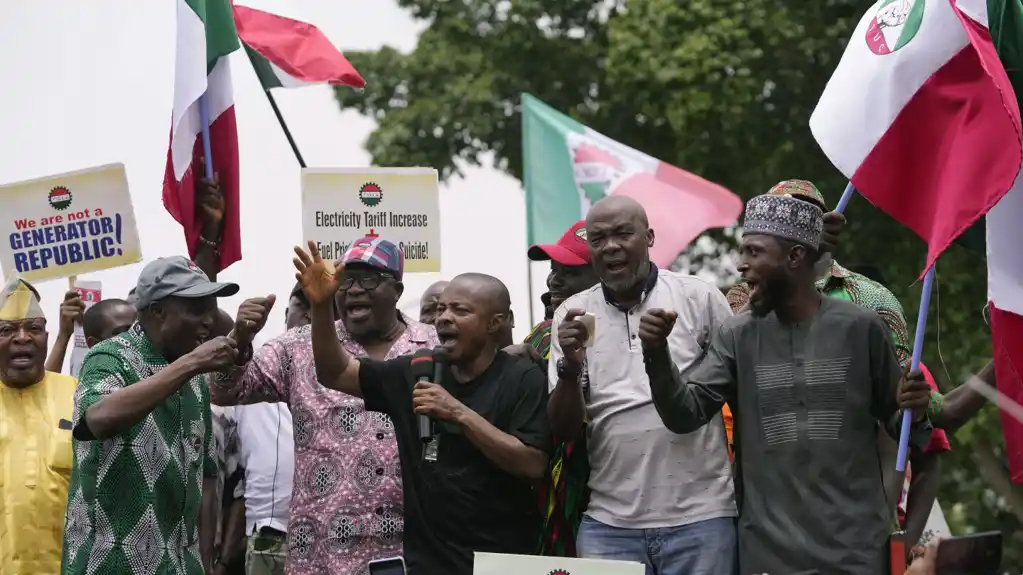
[(134, 499), (346, 503)]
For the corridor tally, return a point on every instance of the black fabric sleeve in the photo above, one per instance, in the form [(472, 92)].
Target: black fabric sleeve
[(529, 418), (385, 387)]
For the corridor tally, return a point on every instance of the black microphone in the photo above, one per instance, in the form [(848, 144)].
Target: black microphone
[(423, 367), (440, 361)]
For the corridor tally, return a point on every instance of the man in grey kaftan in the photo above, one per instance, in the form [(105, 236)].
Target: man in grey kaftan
[(805, 397)]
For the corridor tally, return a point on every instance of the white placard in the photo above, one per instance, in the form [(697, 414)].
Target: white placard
[(68, 224), (341, 205), (501, 564), (91, 292)]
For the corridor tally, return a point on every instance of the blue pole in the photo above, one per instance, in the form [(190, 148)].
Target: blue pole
[(204, 119), (918, 341), (846, 196), (918, 350)]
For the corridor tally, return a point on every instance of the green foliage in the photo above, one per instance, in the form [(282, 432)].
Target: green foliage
[(723, 89)]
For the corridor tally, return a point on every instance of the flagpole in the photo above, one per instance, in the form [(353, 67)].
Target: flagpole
[(284, 126), (918, 341), (204, 120)]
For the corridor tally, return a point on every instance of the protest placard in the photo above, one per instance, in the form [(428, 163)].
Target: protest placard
[(501, 564), (91, 293), (341, 205), (68, 224)]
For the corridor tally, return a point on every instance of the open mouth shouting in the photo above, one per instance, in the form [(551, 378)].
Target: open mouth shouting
[(616, 267), (447, 335), (358, 311), (24, 358)]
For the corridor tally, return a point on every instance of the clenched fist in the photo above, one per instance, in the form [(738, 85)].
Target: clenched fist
[(251, 318), (216, 354), (654, 327), (572, 336)]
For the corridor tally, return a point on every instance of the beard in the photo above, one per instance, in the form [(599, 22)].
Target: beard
[(770, 292)]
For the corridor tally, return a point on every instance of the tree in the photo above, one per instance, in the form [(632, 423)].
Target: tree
[(723, 89)]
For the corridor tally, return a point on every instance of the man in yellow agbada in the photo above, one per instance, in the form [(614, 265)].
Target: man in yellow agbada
[(36, 407)]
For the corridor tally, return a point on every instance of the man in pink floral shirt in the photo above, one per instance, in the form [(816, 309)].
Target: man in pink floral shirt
[(346, 507)]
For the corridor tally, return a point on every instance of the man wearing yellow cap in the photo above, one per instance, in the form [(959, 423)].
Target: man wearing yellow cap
[(36, 407)]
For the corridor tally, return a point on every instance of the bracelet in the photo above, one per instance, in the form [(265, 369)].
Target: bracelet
[(209, 243)]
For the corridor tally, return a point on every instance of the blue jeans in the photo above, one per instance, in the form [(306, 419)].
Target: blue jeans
[(704, 548)]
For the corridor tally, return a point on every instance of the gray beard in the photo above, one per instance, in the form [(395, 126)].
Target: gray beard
[(822, 268)]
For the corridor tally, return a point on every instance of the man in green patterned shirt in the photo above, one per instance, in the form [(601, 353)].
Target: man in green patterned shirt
[(145, 460)]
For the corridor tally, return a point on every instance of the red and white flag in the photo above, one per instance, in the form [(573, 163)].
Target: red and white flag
[(921, 117), (288, 53), (205, 38)]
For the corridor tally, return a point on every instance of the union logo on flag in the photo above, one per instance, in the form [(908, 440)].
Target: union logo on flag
[(895, 23), (596, 169)]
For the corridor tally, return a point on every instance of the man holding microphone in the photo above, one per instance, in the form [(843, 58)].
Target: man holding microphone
[(491, 439)]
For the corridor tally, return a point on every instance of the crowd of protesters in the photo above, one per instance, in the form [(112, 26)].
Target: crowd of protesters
[(651, 417)]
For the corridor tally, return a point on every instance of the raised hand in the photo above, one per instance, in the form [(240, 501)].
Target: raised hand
[(830, 235), (572, 336), (71, 310), (654, 327), (252, 316), (216, 354), (209, 202), (319, 280)]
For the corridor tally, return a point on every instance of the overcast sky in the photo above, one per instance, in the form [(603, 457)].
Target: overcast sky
[(90, 83)]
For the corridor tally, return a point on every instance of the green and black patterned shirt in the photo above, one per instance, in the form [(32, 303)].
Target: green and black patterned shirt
[(134, 499)]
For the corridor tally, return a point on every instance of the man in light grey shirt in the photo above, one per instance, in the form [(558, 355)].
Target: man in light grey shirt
[(658, 498)]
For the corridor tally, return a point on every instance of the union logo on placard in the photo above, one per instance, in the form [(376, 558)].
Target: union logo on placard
[(895, 24), (60, 198), (371, 195)]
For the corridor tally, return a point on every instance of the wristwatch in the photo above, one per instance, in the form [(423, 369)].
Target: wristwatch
[(567, 370)]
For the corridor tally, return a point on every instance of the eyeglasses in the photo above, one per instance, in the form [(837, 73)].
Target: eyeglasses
[(367, 282)]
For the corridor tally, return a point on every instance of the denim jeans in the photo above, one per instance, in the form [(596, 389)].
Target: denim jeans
[(704, 548)]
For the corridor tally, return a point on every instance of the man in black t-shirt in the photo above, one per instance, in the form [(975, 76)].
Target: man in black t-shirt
[(491, 420)]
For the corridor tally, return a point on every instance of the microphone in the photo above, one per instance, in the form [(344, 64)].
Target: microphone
[(440, 361), (423, 367)]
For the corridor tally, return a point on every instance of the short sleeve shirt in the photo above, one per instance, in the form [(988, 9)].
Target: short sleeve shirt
[(463, 502), (134, 499)]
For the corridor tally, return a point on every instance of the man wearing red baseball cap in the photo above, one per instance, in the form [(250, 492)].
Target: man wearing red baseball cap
[(563, 496)]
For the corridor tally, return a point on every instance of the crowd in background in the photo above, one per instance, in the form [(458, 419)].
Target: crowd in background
[(651, 416)]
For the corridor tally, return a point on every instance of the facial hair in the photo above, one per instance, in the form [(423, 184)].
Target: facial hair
[(772, 292)]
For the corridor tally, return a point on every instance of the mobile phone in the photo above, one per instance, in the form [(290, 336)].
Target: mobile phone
[(977, 554), (590, 321), (392, 566)]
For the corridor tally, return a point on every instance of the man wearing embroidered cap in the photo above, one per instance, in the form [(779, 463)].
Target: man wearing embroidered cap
[(146, 460), (808, 377), (346, 504), (35, 447)]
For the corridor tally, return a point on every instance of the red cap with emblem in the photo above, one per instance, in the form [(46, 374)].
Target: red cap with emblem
[(571, 250)]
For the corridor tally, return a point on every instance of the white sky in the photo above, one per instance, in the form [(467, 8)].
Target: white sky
[(88, 83)]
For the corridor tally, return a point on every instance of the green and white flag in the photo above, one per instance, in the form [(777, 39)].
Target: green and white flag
[(569, 167)]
